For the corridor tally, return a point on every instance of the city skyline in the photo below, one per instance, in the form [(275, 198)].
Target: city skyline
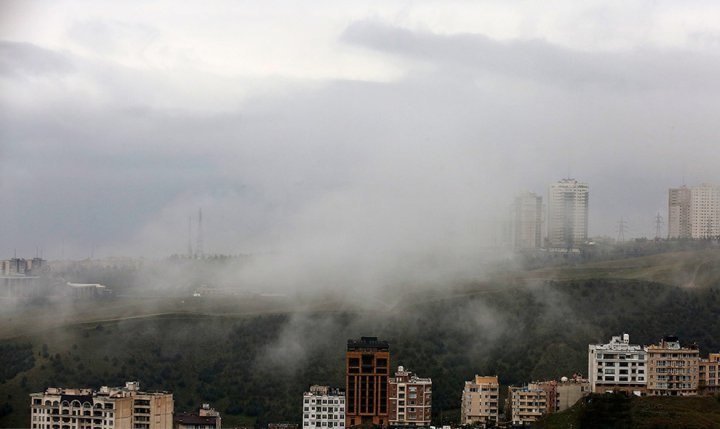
[(323, 140)]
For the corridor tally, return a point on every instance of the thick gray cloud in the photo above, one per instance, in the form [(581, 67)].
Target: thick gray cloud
[(401, 179)]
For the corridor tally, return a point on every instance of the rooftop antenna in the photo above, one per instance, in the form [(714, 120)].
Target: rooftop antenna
[(658, 225), (621, 228), (199, 244)]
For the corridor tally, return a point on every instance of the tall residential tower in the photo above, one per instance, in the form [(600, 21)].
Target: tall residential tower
[(567, 221)]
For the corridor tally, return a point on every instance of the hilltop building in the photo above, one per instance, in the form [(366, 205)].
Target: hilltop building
[(672, 369), (617, 367), (564, 393), (527, 404), (527, 221), (694, 212), (567, 221), (709, 375), (323, 407), (204, 418), (410, 399), (480, 399), (366, 377), (108, 408)]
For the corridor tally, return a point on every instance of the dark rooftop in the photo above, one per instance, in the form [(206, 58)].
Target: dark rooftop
[(368, 343), (194, 419)]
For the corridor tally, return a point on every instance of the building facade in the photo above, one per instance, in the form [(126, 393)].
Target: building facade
[(410, 400), (108, 408), (480, 400), (705, 211), (672, 369), (567, 220), (694, 212), (564, 393), (527, 404), (527, 222), (617, 366), (709, 375), (323, 407), (679, 213), (366, 381)]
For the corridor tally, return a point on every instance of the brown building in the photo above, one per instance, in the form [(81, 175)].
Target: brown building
[(480, 399), (366, 380), (410, 400), (672, 370), (205, 418), (709, 375)]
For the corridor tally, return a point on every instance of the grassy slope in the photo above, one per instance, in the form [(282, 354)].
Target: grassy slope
[(617, 411), (227, 353)]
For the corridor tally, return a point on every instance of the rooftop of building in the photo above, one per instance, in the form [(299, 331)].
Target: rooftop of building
[(194, 419), (131, 388), (618, 342), (486, 379), (368, 343)]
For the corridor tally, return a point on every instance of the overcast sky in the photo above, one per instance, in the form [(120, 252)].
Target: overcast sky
[(343, 129)]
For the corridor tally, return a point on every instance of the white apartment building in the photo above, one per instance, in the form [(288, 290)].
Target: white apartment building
[(323, 407), (527, 218), (480, 400), (617, 366), (109, 408), (567, 220)]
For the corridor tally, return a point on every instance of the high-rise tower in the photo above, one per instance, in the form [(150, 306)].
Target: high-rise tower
[(366, 377), (567, 215)]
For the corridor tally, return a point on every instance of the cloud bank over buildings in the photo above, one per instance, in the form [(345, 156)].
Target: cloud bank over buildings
[(373, 140)]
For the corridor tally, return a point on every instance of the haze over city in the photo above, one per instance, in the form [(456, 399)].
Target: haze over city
[(366, 130)]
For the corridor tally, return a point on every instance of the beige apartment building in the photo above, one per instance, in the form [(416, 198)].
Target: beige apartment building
[(527, 404), (709, 375), (672, 369), (694, 212), (563, 394), (410, 399), (108, 408), (480, 400)]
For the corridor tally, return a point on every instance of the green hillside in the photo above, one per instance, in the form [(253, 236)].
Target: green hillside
[(621, 412), (252, 359)]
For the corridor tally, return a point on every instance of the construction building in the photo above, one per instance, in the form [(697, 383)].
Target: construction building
[(323, 407), (410, 400), (108, 408), (480, 400), (567, 220), (366, 378), (672, 369), (617, 367)]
